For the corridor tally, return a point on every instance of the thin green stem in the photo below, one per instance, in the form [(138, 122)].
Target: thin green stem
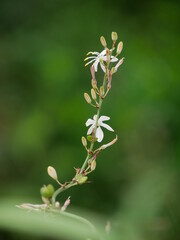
[(71, 184), (61, 189)]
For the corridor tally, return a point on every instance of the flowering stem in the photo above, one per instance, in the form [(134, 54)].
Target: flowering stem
[(95, 128), (71, 184)]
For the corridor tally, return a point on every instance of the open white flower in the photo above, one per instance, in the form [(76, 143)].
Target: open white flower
[(97, 59), (99, 132)]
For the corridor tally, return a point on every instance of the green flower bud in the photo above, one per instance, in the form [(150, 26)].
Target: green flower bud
[(90, 138), (119, 47), (84, 141), (102, 91), (114, 36), (80, 178), (103, 41), (93, 94), (93, 165), (87, 98), (47, 191)]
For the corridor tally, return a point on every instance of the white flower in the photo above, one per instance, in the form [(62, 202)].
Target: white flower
[(99, 132), (97, 59)]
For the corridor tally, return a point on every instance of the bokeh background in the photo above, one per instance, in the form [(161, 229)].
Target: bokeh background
[(43, 112)]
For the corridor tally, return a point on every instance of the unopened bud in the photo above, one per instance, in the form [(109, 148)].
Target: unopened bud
[(102, 91), (119, 64), (108, 55), (52, 172), (93, 94), (109, 79), (93, 165), (113, 70), (87, 98), (119, 47), (103, 41), (66, 204), (114, 36), (92, 72), (47, 191), (84, 141), (94, 83), (80, 178), (57, 204)]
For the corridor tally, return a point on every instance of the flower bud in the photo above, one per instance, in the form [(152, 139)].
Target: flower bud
[(87, 98), (114, 36), (94, 83), (57, 204), (103, 41), (80, 178), (47, 191), (92, 72), (84, 141), (102, 91), (113, 70), (119, 47), (93, 165), (109, 79), (52, 173), (93, 94), (66, 204)]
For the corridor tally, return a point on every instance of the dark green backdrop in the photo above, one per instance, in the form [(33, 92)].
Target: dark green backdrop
[(43, 113)]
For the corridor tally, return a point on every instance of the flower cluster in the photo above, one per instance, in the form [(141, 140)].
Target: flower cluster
[(98, 93)]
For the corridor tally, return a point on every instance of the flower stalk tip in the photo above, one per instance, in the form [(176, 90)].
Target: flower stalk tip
[(52, 173), (114, 36), (84, 142), (87, 98), (103, 41), (119, 48)]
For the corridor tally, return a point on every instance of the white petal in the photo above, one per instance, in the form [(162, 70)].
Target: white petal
[(103, 67), (114, 59), (107, 127), (94, 53), (99, 134), (103, 118), (90, 130), (102, 53), (89, 58), (89, 122), (89, 62), (104, 58), (96, 65)]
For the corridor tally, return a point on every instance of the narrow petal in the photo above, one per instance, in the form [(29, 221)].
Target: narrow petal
[(90, 130), (103, 67), (89, 62), (96, 65), (114, 59), (99, 134), (89, 58), (103, 118), (102, 53), (107, 127), (89, 122), (94, 53)]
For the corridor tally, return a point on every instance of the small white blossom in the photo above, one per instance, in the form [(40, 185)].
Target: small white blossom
[(97, 58), (99, 132)]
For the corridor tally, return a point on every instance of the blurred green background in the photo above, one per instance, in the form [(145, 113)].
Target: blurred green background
[(43, 112)]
